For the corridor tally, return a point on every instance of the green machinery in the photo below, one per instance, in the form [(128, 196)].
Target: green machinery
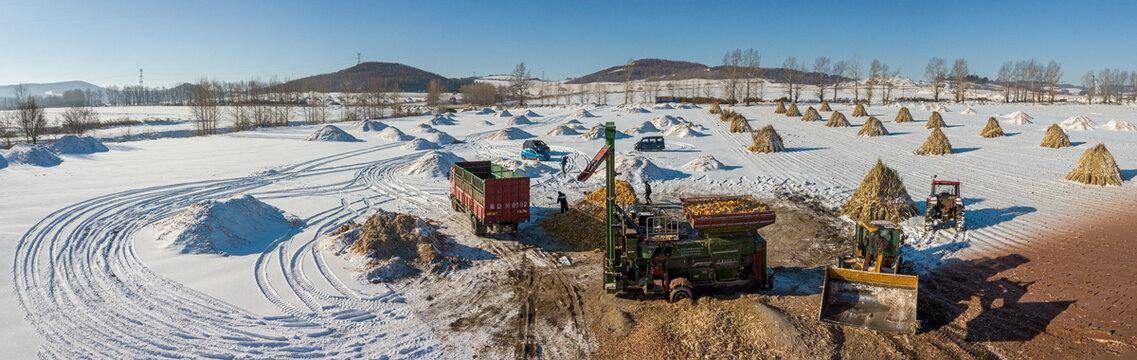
[(866, 289), (647, 252)]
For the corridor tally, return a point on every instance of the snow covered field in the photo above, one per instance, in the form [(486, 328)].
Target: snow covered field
[(90, 276)]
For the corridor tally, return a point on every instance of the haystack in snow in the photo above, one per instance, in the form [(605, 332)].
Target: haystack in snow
[(811, 115), (434, 163), (3, 162), (872, 127), (992, 130), (420, 144), (391, 133), (510, 133), (1096, 167), (767, 141), (581, 114), (1078, 123), (330, 133), (518, 120), (703, 163), (793, 111), (936, 144), (370, 125), (1055, 138), (715, 109), (1119, 125), (860, 111), (738, 124), (825, 106), (781, 109), (727, 115), (485, 123), (881, 196), (936, 121), (904, 116), (837, 119), (562, 130)]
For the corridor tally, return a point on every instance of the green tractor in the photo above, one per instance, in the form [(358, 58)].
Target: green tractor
[(866, 289), (650, 253)]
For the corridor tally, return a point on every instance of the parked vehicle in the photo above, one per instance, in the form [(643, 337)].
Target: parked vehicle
[(535, 149), (650, 143), (494, 198)]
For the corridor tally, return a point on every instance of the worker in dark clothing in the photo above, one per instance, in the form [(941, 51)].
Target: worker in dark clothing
[(564, 163), (561, 199), (647, 192)]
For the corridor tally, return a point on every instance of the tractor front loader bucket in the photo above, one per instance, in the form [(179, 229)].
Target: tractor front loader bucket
[(870, 300)]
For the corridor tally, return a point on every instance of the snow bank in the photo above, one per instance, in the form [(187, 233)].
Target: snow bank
[(420, 144), (562, 130), (580, 114), (681, 131), (1119, 125), (35, 155), (645, 127), (435, 163), (330, 133), (370, 125), (518, 120), (702, 164), (71, 144), (1078, 122), (636, 169), (391, 133), (239, 225), (510, 133)]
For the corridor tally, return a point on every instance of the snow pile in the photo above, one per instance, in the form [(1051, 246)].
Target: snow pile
[(518, 120), (702, 164), (637, 110), (485, 111), (942, 109), (71, 144), (530, 113), (1019, 118), (424, 127), (330, 133), (1119, 125), (391, 133), (572, 122), (439, 137), (239, 225), (969, 111), (435, 163), (562, 130), (530, 168), (681, 130), (645, 127), (637, 169), (28, 154), (370, 125), (504, 114), (440, 119), (597, 132), (663, 106), (1078, 122), (925, 107), (687, 106), (3, 162), (510, 133), (420, 144), (663, 121), (485, 123), (580, 114)]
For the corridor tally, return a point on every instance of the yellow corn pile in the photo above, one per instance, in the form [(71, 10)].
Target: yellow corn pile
[(582, 227), (726, 206), (625, 196)]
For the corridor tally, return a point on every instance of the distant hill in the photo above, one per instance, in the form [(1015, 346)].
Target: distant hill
[(356, 78), (680, 70), (56, 88)]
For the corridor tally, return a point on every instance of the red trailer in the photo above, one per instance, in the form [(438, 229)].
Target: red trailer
[(493, 198)]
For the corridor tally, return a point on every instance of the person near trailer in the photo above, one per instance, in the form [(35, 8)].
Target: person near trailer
[(564, 163), (561, 199), (647, 192)]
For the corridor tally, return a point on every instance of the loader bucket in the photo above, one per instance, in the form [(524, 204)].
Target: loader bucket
[(870, 300)]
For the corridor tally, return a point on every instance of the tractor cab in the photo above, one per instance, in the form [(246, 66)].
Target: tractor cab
[(535, 149), (866, 289)]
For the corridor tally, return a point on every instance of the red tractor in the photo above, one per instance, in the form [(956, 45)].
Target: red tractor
[(944, 204)]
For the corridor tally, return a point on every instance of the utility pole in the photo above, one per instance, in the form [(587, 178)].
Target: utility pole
[(139, 77), (358, 58)]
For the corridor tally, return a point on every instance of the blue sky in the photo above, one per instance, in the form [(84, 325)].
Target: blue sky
[(106, 42)]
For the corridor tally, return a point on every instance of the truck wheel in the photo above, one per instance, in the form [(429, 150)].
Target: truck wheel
[(680, 289), (474, 224), (454, 203)]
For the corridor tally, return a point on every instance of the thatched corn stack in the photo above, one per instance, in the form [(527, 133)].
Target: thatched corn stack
[(715, 109), (937, 144), (720, 206), (781, 109), (860, 111), (811, 115), (903, 116), (767, 141), (1096, 167), (881, 196), (738, 124), (872, 127), (837, 119), (582, 227), (793, 111), (726, 115), (992, 130), (825, 106), (936, 121), (1055, 138)]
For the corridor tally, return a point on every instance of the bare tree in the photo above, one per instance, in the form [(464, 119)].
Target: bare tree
[(1053, 75), (78, 119), (1089, 83), (521, 82), (877, 70), (789, 68), (959, 73), (204, 107), (1105, 84), (838, 72), (854, 67), (1004, 80), (821, 67), (628, 80), (732, 74), (29, 115), (751, 62), (935, 72), (890, 82), (434, 94), (7, 123), (1133, 85)]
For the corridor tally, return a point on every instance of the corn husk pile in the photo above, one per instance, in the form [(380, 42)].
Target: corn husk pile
[(937, 144), (837, 120), (582, 227), (936, 121), (793, 111), (872, 127), (1096, 167), (825, 106), (859, 111), (881, 196), (728, 115), (1055, 138), (393, 237), (781, 109), (992, 130), (903, 116), (738, 124), (726, 206), (715, 109), (811, 115), (767, 140)]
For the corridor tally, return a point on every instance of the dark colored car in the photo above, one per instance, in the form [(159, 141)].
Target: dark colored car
[(650, 143), (535, 149)]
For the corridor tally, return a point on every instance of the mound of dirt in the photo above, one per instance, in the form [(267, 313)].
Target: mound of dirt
[(439, 137), (518, 120), (703, 163), (34, 155), (581, 114), (330, 133), (663, 121), (504, 114), (562, 130), (390, 246), (391, 133), (597, 132), (71, 144), (434, 163), (681, 131), (370, 125), (1119, 125), (637, 169), (645, 127), (239, 225), (1078, 123), (420, 144), (510, 133)]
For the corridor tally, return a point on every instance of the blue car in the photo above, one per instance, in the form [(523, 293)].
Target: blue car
[(535, 149), (650, 143)]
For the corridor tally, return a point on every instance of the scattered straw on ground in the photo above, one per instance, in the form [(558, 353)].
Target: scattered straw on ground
[(992, 130), (582, 227), (872, 127), (767, 140), (881, 196), (860, 111), (903, 116), (1096, 167), (811, 115), (793, 111), (1055, 138), (936, 121), (837, 120), (937, 144)]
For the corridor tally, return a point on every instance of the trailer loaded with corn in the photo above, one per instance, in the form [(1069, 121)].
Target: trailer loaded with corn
[(493, 198)]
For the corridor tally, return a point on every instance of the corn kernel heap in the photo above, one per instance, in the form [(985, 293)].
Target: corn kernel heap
[(726, 206), (582, 227)]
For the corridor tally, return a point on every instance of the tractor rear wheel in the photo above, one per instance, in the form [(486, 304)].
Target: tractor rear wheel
[(680, 289)]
